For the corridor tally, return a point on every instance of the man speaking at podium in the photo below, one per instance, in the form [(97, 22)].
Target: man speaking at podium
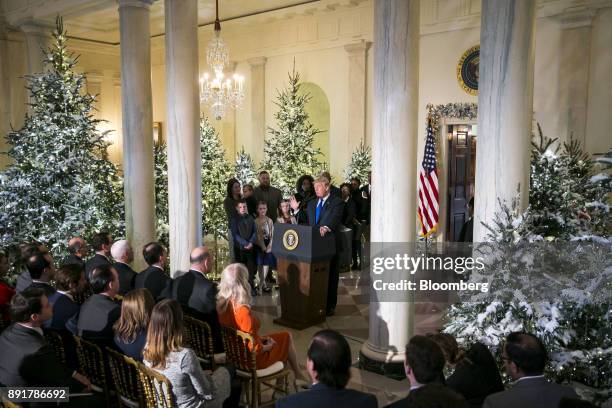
[(326, 213)]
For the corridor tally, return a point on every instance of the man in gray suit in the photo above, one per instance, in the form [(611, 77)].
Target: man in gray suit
[(524, 357)]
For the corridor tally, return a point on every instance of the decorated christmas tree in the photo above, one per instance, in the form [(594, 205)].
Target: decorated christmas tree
[(549, 271), (360, 164), (216, 171), (162, 228), (60, 182), (244, 168), (289, 151)]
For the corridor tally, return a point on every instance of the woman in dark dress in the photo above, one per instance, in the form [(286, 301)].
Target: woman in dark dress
[(131, 328), (304, 190)]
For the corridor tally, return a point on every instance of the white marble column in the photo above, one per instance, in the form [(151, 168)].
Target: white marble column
[(137, 120), (357, 92), (37, 40), (258, 107), (505, 106), (183, 110), (394, 144), (599, 119)]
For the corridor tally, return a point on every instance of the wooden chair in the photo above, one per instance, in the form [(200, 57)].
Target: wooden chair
[(56, 341), (256, 381), (124, 372), (198, 336), (92, 365), (157, 388)]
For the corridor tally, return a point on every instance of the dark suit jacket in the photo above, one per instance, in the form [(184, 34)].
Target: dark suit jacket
[(530, 393), (431, 395), (367, 202), (154, 279), (23, 281), (320, 395), (63, 310), (349, 213), (126, 277), (96, 319), (330, 216), (198, 297), (467, 231), (73, 260), (47, 288), (27, 360), (94, 262)]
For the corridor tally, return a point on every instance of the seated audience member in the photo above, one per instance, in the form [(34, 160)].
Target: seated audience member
[(475, 374), (69, 281), (24, 279), (101, 243), (26, 360), (131, 328), (329, 362), (154, 277), (6, 291), (233, 306), (198, 295), (42, 271), (123, 255), (164, 352), (77, 249), (100, 311), (424, 363), (244, 233), (524, 358)]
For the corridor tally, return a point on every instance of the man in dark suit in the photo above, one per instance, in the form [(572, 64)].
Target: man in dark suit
[(101, 243), (325, 213), (42, 271), (424, 363), (366, 194), (69, 281), (198, 295), (154, 277), (524, 358), (27, 250), (26, 360), (100, 311), (328, 363), (467, 231), (124, 255), (77, 249)]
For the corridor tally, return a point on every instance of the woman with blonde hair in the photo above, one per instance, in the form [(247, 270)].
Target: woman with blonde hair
[(233, 307), (164, 352), (131, 328)]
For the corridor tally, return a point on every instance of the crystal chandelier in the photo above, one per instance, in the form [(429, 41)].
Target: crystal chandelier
[(217, 91)]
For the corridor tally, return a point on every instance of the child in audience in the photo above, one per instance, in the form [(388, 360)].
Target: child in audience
[(284, 213), (265, 258)]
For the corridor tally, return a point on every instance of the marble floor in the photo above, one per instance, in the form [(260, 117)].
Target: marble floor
[(351, 319)]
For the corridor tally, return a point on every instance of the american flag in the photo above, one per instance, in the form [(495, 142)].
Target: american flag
[(428, 187)]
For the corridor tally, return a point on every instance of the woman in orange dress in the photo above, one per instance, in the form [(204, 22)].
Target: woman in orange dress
[(233, 307)]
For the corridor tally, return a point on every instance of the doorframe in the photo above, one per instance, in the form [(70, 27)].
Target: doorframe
[(460, 113)]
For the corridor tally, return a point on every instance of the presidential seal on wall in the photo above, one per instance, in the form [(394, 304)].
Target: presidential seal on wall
[(290, 239), (467, 70)]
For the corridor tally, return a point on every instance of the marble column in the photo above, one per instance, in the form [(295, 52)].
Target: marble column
[(505, 107), (37, 40), (574, 72), (258, 107), (357, 92), (137, 117), (599, 120), (394, 149), (183, 112), (5, 93)]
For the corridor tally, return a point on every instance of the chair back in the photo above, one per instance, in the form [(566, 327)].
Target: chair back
[(124, 373), (198, 336), (91, 362), (238, 351), (157, 388), (55, 340)]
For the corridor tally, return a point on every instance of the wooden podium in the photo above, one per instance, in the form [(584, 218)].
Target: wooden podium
[(303, 267)]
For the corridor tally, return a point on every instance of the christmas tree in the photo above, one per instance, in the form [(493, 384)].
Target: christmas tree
[(216, 171), (289, 152), (360, 164), (244, 168), (549, 271), (61, 183), (160, 155)]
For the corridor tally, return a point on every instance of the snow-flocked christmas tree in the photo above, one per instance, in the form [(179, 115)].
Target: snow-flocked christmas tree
[(289, 152), (360, 164), (60, 182), (160, 155), (244, 168)]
